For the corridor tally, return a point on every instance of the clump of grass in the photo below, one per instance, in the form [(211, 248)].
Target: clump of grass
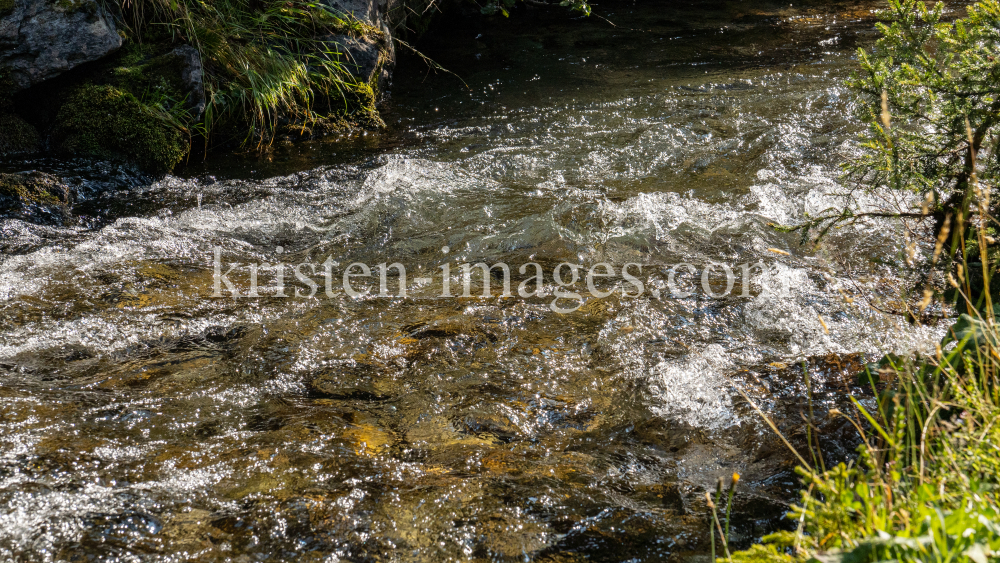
[(266, 61), (925, 485)]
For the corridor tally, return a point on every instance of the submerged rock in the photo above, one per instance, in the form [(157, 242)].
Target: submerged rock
[(36, 197), (41, 39)]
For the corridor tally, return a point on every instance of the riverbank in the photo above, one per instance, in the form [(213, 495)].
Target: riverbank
[(146, 83), (924, 485)]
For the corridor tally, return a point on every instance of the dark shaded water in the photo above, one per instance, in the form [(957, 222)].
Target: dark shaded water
[(143, 420)]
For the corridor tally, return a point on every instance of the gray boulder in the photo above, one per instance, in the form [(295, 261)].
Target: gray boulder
[(365, 10), (41, 39), (359, 56), (369, 58)]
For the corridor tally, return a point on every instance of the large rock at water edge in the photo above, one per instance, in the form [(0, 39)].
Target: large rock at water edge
[(41, 39), (369, 57), (362, 57), (371, 12)]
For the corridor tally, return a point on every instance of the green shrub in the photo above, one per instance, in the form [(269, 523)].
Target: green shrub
[(929, 95)]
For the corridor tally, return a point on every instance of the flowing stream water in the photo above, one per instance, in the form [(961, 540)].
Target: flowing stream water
[(143, 419)]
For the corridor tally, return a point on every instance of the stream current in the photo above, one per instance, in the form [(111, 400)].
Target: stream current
[(141, 419)]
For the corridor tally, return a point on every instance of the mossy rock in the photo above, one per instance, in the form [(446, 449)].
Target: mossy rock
[(132, 107), (104, 121), (36, 197), (17, 136), (354, 108), (362, 100), (6, 7)]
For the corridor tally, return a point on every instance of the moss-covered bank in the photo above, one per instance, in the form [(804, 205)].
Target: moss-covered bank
[(230, 74)]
